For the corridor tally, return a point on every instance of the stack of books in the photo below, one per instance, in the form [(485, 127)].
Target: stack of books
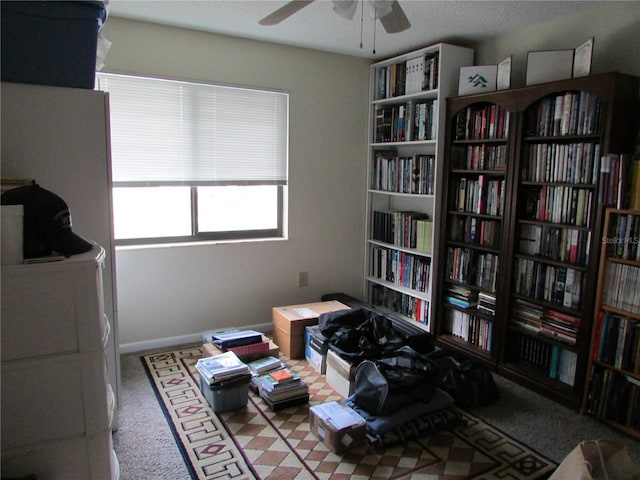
[(247, 344), (281, 388), (222, 369)]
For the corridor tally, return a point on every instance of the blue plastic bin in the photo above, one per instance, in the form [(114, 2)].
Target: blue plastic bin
[(51, 42)]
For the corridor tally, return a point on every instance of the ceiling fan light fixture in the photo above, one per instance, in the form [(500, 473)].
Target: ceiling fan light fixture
[(345, 8), (382, 7)]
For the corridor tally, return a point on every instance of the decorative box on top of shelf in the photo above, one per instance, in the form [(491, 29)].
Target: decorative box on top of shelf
[(612, 393), (406, 145), (535, 303)]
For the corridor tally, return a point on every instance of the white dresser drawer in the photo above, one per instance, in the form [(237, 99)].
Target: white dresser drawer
[(88, 457), (54, 397), (54, 307)]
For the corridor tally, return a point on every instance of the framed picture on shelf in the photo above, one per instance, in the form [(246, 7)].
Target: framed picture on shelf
[(477, 79), (549, 66), (504, 74), (582, 59)]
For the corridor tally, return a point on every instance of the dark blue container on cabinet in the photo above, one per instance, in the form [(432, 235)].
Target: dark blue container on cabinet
[(50, 42)]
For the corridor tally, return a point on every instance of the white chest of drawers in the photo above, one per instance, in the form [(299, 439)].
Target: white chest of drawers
[(57, 404)]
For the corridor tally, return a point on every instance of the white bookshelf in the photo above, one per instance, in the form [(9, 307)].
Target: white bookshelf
[(412, 299)]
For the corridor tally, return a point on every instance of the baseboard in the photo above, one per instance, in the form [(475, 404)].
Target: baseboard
[(135, 347)]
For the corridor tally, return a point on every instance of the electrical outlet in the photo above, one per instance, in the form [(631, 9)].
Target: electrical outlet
[(303, 279)]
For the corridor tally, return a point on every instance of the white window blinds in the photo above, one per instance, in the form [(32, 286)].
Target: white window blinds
[(180, 133)]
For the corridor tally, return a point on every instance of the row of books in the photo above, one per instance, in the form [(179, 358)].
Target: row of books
[(404, 229), (559, 204), (468, 266), (411, 121), (475, 231), (624, 237), (616, 180), (549, 359), (633, 187), (478, 157), (622, 287), (618, 341), (400, 268), (562, 163), (473, 329), (414, 75), (549, 283), (569, 113), (414, 174), (545, 321), (411, 307), (482, 195), (614, 396), (559, 244), (482, 123)]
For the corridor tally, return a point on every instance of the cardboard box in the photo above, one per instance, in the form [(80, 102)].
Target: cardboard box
[(289, 323), (244, 354), (338, 426), (316, 346), (340, 374)]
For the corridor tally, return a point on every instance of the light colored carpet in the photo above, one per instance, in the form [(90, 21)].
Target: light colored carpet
[(146, 448)]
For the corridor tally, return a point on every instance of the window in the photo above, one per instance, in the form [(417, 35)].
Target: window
[(193, 161)]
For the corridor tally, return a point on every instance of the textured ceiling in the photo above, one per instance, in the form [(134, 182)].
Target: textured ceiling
[(317, 26)]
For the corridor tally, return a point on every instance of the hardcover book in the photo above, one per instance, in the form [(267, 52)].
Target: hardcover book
[(265, 364), (236, 338)]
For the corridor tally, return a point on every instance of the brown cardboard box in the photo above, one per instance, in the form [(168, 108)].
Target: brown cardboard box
[(209, 350), (340, 374), (289, 324), (332, 431)]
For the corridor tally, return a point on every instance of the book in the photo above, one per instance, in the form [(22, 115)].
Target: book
[(292, 402), (265, 364), (251, 349), (221, 367), (296, 390), (282, 376), (236, 338)]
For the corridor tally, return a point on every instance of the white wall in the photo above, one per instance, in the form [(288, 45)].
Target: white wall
[(184, 290), (616, 29), (168, 292)]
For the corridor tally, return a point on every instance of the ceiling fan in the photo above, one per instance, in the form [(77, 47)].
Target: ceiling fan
[(389, 12)]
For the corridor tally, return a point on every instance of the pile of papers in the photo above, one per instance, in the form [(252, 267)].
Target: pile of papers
[(222, 369)]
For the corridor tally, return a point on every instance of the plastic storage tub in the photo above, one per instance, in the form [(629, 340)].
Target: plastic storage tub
[(227, 397), (50, 43)]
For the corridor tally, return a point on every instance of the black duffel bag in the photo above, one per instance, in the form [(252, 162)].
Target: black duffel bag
[(469, 383), (359, 334), (388, 384)]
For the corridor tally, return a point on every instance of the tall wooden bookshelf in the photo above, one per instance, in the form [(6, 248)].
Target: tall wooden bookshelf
[(406, 148), (522, 299), (478, 166), (612, 392)]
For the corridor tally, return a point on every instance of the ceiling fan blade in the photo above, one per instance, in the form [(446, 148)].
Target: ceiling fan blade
[(396, 21), (284, 12)]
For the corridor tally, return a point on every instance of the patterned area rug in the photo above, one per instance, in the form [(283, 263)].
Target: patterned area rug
[(255, 443)]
